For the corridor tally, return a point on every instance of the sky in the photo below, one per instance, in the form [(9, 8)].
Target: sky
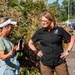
[(51, 1)]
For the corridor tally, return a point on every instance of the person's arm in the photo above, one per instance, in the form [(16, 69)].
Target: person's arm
[(33, 48), (4, 56), (70, 46), (71, 43)]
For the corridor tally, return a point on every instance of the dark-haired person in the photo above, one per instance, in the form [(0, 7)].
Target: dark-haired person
[(52, 56), (8, 60)]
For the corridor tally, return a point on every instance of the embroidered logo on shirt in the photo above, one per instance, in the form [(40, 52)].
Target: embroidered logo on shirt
[(56, 31)]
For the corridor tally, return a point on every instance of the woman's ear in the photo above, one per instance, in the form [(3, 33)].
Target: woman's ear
[(4, 27)]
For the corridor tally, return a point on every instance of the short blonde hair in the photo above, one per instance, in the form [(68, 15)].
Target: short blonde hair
[(50, 16)]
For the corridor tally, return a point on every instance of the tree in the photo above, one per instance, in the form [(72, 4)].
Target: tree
[(72, 8), (55, 8)]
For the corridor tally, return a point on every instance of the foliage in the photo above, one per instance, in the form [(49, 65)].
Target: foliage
[(25, 71)]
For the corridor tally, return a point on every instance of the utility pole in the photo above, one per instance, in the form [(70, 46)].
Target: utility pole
[(47, 4), (68, 10)]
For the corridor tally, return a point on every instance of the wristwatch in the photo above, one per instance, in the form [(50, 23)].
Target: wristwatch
[(68, 51)]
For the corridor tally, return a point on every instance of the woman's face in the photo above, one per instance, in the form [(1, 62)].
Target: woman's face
[(6, 30), (9, 28), (45, 22)]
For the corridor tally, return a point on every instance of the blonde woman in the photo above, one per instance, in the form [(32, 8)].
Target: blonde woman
[(52, 56), (8, 61)]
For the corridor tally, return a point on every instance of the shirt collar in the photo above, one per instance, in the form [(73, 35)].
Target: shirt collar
[(44, 29)]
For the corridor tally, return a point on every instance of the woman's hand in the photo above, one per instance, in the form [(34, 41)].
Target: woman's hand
[(12, 51), (17, 47), (64, 54), (40, 54)]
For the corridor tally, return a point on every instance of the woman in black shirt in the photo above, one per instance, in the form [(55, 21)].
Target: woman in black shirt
[(52, 56)]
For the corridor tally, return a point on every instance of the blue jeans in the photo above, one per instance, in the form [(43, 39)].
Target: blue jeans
[(9, 72)]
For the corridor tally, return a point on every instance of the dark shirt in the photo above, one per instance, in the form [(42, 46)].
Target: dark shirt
[(51, 44)]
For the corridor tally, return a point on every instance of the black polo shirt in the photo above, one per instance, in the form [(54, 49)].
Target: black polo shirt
[(51, 44)]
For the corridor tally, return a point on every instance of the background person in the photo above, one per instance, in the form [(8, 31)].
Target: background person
[(52, 56)]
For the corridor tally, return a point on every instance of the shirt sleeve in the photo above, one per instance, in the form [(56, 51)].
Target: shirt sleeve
[(35, 37), (66, 35), (2, 47)]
